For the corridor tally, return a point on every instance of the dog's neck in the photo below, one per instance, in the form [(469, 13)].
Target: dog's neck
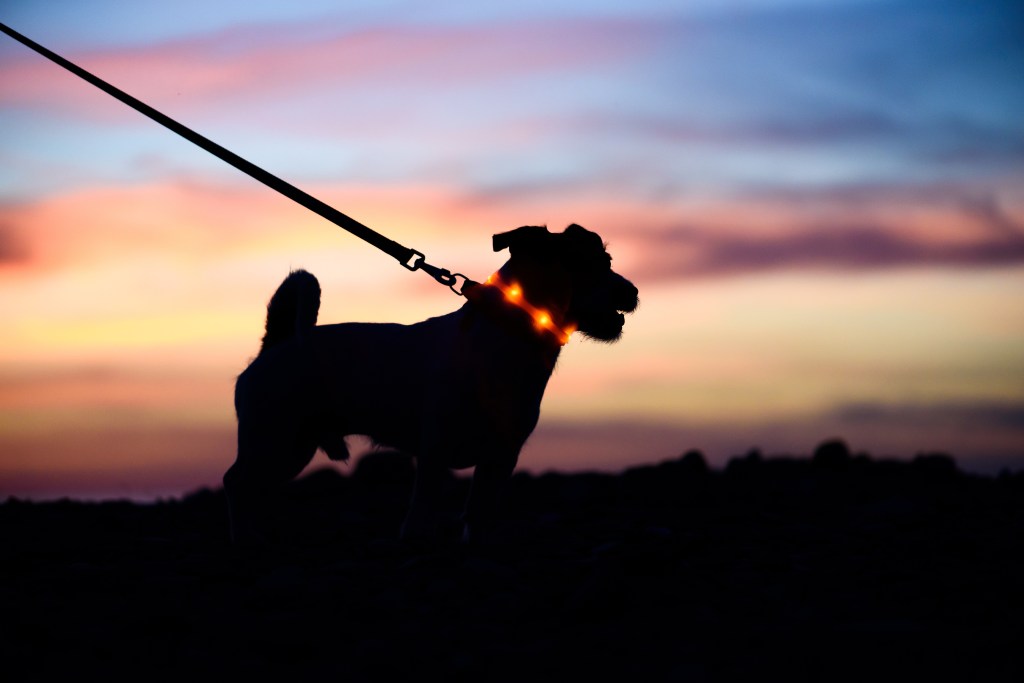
[(517, 303)]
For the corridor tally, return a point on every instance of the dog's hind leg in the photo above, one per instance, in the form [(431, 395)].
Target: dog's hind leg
[(244, 495), (267, 460), (422, 520)]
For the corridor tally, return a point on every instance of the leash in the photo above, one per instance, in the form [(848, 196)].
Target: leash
[(411, 259)]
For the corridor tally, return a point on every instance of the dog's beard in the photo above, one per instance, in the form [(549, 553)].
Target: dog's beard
[(601, 317), (605, 326)]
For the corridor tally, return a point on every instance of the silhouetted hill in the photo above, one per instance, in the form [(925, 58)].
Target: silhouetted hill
[(833, 567)]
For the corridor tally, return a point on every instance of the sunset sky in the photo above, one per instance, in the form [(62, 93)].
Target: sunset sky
[(821, 202)]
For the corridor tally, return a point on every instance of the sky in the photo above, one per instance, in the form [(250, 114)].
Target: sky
[(822, 204)]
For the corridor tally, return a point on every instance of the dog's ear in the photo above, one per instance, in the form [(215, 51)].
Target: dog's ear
[(521, 238), (580, 235)]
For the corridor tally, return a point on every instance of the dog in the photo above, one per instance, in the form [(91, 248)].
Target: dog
[(456, 391)]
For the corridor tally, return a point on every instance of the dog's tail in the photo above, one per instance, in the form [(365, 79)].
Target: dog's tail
[(293, 309)]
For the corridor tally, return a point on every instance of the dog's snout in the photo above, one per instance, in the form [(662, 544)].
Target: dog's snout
[(627, 296)]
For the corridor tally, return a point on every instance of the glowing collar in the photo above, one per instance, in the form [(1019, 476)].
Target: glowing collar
[(543, 320)]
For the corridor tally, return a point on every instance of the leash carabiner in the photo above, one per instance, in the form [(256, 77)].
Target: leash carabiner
[(443, 276)]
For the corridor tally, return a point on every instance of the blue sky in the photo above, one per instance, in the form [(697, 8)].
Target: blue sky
[(746, 95)]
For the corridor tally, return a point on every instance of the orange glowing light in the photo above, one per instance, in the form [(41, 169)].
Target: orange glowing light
[(542, 318)]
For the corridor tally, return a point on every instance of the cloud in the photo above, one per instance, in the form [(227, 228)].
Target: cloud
[(846, 236), (203, 222), (926, 138), (226, 66), (1002, 415), (12, 247), (844, 248), (800, 127)]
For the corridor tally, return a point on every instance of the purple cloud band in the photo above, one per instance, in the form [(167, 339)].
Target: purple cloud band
[(988, 236)]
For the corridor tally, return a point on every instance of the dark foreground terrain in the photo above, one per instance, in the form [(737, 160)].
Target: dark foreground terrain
[(825, 568)]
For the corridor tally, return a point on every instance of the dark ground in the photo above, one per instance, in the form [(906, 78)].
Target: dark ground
[(831, 568)]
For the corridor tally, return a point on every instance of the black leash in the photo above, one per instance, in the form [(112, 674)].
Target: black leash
[(409, 258)]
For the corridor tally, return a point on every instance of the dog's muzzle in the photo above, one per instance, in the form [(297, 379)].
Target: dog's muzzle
[(600, 311)]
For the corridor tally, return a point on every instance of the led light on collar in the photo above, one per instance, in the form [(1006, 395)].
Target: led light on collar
[(543, 320)]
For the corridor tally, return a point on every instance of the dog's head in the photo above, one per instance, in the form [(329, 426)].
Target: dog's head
[(569, 272)]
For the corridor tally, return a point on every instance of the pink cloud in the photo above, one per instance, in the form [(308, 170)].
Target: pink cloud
[(189, 220), (258, 62)]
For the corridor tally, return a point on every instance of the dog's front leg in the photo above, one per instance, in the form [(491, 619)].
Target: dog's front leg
[(422, 520), (490, 481)]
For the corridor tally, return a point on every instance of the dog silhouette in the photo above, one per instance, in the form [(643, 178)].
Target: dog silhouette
[(456, 391)]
